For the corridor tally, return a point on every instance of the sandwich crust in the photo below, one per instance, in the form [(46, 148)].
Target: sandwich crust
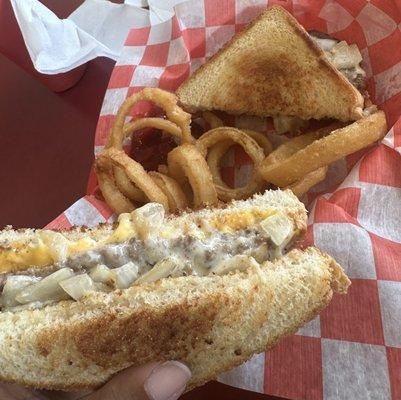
[(211, 323)]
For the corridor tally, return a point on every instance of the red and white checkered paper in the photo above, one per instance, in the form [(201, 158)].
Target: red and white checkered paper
[(353, 349)]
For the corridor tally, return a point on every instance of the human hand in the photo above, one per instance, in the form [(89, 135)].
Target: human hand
[(153, 381)]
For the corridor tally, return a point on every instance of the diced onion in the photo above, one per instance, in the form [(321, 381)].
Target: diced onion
[(101, 273), (78, 286), (148, 217), (13, 285), (344, 56), (279, 228), (57, 244), (162, 269), (46, 289), (239, 262), (125, 276), (325, 44)]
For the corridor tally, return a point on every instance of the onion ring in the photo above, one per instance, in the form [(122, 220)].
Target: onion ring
[(163, 99), (113, 197), (332, 147), (126, 187), (211, 138), (295, 144), (170, 187), (299, 188), (212, 119), (186, 162), (290, 147), (158, 123), (260, 139), (142, 123), (137, 175), (218, 150), (216, 135)]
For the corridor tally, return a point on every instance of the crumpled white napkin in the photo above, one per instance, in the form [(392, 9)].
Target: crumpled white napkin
[(96, 28)]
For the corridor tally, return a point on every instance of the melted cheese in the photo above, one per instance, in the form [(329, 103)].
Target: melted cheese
[(125, 230), (45, 250), (51, 247), (83, 244), (230, 222), (22, 257)]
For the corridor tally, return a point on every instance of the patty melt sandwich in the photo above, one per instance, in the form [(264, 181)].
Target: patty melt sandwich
[(209, 287)]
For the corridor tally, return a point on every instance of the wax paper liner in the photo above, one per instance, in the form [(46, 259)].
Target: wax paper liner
[(353, 349)]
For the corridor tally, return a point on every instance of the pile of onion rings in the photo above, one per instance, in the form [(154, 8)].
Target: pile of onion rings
[(178, 125), (192, 175)]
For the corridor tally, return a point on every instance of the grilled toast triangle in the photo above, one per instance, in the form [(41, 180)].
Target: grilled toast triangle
[(272, 68)]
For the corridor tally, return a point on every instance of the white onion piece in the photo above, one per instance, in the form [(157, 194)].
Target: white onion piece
[(325, 44), (57, 244), (261, 253), (101, 273), (13, 285), (125, 276), (78, 286), (344, 56), (279, 228), (154, 249), (162, 269), (46, 289), (239, 262), (370, 110), (148, 218)]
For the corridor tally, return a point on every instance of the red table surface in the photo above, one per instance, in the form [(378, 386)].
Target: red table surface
[(46, 150)]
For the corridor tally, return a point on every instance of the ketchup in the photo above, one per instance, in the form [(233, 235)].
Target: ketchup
[(150, 146)]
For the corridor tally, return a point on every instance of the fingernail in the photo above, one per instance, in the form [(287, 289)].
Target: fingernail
[(167, 381)]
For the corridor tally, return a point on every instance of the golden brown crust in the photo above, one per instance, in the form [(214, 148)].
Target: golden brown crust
[(355, 111), (337, 282), (121, 338), (267, 73)]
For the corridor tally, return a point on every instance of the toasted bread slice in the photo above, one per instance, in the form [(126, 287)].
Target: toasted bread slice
[(211, 323), (272, 68)]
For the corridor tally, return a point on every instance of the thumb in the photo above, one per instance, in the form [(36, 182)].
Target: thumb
[(153, 381)]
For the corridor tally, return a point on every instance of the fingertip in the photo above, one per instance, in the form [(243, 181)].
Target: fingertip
[(167, 381)]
